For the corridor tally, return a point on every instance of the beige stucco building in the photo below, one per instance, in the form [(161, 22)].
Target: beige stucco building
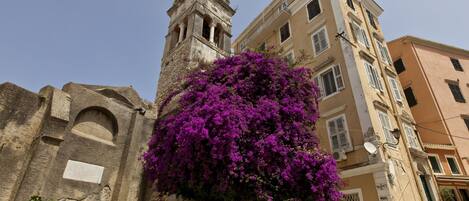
[(435, 79), (362, 101)]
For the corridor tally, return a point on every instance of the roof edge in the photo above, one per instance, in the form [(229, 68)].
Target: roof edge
[(426, 42)]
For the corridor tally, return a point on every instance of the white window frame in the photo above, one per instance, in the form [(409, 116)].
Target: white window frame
[(387, 135), (327, 40), (396, 91), (384, 52), (457, 164), (242, 46), (353, 191), (280, 33), (320, 82), (411, 137), (347, 135), (361, 34), (379, 85), (292, 52), (439, 164), (307, 11)]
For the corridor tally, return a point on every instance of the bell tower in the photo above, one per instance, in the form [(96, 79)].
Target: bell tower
[(199, 31)]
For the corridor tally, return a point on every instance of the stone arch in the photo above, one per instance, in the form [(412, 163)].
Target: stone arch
[(96, 123)]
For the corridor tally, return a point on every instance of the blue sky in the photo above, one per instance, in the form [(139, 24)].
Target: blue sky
[(120, 42)]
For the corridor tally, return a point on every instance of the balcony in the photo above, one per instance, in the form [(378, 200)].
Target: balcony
[(269, 25)]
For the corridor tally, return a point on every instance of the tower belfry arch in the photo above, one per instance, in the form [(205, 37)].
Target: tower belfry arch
[(198, 31)]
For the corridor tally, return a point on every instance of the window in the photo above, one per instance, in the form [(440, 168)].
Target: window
[(399, 66), (409, 94), (359, 34), (411, 136), (456, 64), (453, 165), (242, 46), (449, 194), (285, 32), (383, 51), (386, 126), (395, 89), (426, 187), (206, 29), (330, 81), (373, 76), (466, 121), (435, 163), (352, 195), (338, 134), (314, 9), (456, 91), (371, 18), (350, 4), (320, 41), (290, 57), (464, 194)]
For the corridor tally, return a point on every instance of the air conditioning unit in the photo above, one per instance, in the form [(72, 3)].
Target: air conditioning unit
[(340, 155)]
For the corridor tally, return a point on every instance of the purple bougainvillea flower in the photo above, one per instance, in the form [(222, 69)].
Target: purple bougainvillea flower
[(244, 130)]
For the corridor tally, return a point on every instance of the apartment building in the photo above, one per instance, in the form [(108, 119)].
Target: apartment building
[(435, 78), (361, 98)]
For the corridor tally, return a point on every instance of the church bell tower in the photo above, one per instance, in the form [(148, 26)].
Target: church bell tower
[(199, 31)]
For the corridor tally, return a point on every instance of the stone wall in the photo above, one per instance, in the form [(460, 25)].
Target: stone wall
[(79, 143), (21, 116)]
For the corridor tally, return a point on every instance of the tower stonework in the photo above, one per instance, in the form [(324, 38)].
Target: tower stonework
[(199, 31)]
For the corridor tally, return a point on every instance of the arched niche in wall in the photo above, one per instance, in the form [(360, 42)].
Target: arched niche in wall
[(97, 124)]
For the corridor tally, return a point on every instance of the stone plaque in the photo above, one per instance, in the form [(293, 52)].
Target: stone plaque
[(85, 172)]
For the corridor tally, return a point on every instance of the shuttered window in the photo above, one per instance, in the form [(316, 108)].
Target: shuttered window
[(314, 9), (338, 134), (409, 95), (373, 76), (456, 64), (395, 89), (371, 18), (457, 94), (360, 34), (329, 81), (411, 136), (399, 66), (284, 32), (320, 41), (290, 58), (352, 195), (386, 126), (383, 51)]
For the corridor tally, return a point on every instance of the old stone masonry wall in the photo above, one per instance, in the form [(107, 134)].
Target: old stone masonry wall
[(82, 142)]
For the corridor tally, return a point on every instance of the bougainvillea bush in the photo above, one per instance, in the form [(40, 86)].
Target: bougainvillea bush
[(244, 130)]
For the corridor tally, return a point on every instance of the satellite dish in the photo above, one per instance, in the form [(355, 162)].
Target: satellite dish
[(370, 148)]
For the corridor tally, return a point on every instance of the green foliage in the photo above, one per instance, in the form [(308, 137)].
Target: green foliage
[(37, 198), (448, 194)]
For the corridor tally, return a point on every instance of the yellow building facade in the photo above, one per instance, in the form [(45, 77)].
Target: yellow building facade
[(361, 102)]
